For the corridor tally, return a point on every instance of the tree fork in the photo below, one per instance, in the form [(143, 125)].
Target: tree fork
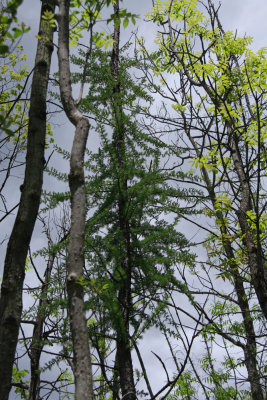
[(37, 343), (81, 350)]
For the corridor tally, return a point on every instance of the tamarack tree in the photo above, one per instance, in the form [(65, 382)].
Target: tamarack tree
[(119, 269)]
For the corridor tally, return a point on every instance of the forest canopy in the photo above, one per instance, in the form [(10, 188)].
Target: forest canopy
[(133, 204)]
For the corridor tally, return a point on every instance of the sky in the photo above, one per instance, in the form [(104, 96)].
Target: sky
[(246, 16)]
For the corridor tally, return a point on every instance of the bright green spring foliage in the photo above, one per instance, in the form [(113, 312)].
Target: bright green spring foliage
[(13, 104), (218, 61), (15, 77), (222, 95), (184, 388), (18, 376), (8, 34), (48, 24), (220, 83), (216, 89), (218, 380), (85, 14)]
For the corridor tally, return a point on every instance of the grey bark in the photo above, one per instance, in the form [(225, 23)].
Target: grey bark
[(14, 267), (81, 350)]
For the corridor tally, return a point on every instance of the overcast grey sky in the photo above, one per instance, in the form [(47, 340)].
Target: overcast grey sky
[(247, 16)]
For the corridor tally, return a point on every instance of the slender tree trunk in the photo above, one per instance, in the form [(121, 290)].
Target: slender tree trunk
[(37, 345), (81, 350), (256, 260), (116, 385), (250, 348), (124, 357), (14, 268)]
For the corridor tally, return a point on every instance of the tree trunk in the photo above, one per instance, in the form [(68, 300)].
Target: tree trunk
[(37, 345), (82, 358), (124, 357), (256, 260), (250, 348), (14, 267)]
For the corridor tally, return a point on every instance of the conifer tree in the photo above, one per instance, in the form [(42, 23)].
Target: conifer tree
[(131, 250)]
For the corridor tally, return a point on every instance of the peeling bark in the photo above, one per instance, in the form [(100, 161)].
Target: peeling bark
[(14, 267)]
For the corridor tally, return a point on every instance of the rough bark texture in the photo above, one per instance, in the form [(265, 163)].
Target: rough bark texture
[(81, 350), (14, 268), (124, 358)]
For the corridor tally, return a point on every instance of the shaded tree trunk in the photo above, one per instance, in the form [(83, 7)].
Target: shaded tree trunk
[(14, 267), (255, 254), (37, 344), (81, 350), (124, 358)]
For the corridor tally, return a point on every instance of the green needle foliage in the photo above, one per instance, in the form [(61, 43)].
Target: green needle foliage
[(156, 245), (140, 276)]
